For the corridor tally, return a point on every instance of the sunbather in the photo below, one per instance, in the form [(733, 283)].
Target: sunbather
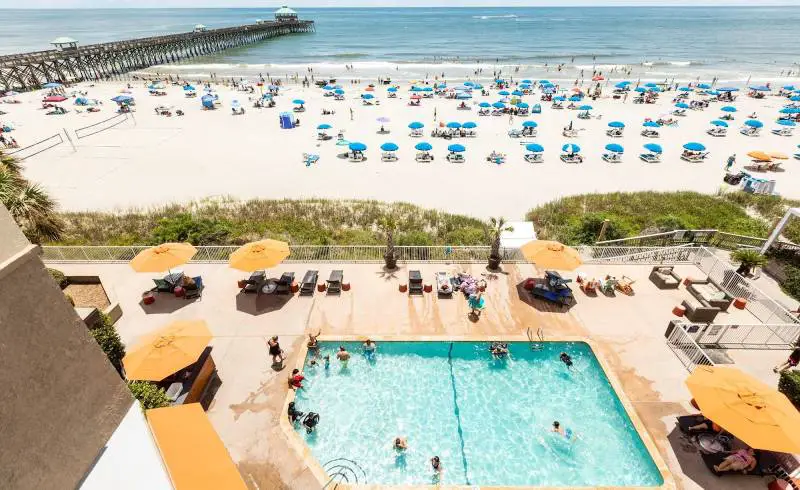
[(742, 460), (792, 361)]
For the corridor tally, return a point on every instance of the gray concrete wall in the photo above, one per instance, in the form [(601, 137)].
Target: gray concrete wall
[(60, 399)]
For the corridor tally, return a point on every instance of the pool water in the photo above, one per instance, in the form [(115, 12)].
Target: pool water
[(487, 419)]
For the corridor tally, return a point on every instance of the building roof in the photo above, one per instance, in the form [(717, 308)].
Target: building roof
[(63, 40), (195, 457), (284, 10)]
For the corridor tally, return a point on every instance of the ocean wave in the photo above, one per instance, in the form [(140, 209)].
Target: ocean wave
[(344, 55), (486, 17), (672, 63)]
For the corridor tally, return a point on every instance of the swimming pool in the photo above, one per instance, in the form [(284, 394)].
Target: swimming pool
[(488, 419)]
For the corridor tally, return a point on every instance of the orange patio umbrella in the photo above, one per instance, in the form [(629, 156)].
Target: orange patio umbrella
[(163, 257), (754, 412), (760, 156), (551, 255), (262, 254), (778, 155), (167, 350)]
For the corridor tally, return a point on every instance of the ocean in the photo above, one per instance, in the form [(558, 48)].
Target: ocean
[(684, 43)]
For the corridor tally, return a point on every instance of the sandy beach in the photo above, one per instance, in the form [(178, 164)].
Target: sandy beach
[(151, 160)]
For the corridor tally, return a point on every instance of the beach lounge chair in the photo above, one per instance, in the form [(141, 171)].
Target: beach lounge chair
[(195, 290), (324, 137), (414, 282), (444, 286), (309, 158), (162, 286), (335, 281), (416, 133), (679, 112), (496, 158), (455, 158), (625, 285), (557, 105), (514, 133), (612, 157), (484, 112), (614, 133), (750, 131), (782, 131), (571, 158), (284, 284), (584, 115), (388, 157), (424, 157), (693, 157), (254, 282), (356, 156), (534, 158), (650, 157), (650, 133), (497, 112), (309, 283), (570, 133), (717, 132)]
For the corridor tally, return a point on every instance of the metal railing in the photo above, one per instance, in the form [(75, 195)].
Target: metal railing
[(100, 126), (755, 336), (685, 348), (710, 238), (681, 254), (299, 253), (763, 307)]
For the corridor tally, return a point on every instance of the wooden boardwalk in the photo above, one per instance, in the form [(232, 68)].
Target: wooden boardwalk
[(29, 71)]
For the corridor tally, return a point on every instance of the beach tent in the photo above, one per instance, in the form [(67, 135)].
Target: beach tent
[(286, 120), (207, 101)]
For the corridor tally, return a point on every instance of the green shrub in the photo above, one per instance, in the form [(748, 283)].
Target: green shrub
[(789, 385), (197, 231), (149, 395), (59, 277), (109, 340), (470, 235), (419, 238), (792, 283), (587, 229)]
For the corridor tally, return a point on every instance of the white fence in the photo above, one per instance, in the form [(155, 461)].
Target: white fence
[(686, 349), (681, 254), (755, 336)]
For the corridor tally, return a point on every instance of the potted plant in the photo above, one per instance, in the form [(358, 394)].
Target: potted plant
[(388, 225), (495, 228), (748, 259)]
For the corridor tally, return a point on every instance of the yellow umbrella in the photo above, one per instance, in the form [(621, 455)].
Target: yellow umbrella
[(551, 255), (163, 257), (754, 412), (167, 350), (262, 254), (760, 156), (778, 155)]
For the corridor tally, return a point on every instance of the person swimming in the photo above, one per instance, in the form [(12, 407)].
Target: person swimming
[(499, 349), (567, 433), (566, 359), (436, 464), (293, 413), (327, 362), (343, 356), (400, 444), (310, 422), (369, 349)]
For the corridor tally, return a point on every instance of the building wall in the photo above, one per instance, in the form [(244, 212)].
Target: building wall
[(61, 399)]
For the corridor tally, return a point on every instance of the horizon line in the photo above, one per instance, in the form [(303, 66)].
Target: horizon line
[(328, 7)]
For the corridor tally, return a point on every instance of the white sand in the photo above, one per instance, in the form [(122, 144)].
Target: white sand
[(157, 160)]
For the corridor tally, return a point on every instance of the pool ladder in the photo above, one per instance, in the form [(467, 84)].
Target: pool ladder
[(343, 470), (533, 343)]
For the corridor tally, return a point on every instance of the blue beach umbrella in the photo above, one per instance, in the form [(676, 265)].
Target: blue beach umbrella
[(427, 89), (342, 143), (327, 87), (51, 85), (524, 85), (728, 108), (560, 98), (790, 110), (703, 86), (616, 124), (545, 82), (712, 92), (640, 89), (453, 125), (760, 88), (571, 148), (654, 89), (188, 88), (529, 124), (719, 124), (754, 123), (575, 98), (517, 93), (298, 101), (416, 125), (613, 147), (622, 85), (503, 92), (367, 96), (355, 146), (790, 88), (653, 147), (463, 95), (534, 147), (484, 104), (786, 122), (469, 84), (650, 85), (456, 148), (391, 89), (685, 89), (728, 89), (585, 108), (527, 81), (523, 105), (414, 88), (324, 126), (651, 124), (795, 98), (389, 146), (122, 98), (498, 105), (423, 146), (692, 146), (338, 91), (469, 125), (477, 86), (682, 105)]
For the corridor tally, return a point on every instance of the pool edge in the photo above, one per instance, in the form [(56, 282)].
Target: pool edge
[(315, 467)]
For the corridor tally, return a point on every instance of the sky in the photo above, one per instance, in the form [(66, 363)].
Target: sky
[(374, 3)]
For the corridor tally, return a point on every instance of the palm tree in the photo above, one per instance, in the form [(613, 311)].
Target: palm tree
[(388, 226), (29, 205), (495, 228), (748, 259)]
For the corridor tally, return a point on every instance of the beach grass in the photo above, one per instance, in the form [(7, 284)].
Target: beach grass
[(578, 219)]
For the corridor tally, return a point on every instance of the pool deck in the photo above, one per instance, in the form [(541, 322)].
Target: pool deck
[(626, 332)]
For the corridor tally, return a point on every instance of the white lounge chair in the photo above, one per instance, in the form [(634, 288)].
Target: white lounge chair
[(650, 157), (612, 157), (717, 132), (424, 157), (534, 158), (455, 158), (356, 157), (557, 105), (444, 287), (570, 133), (416, 133), (614, 133), (571, 158), (679, 112), (388, 157), (650, 133), (514, 133), (749, 131), (693, 157), (782, 131)]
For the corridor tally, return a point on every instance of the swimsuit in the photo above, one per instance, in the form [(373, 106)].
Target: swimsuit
[(274, 350)]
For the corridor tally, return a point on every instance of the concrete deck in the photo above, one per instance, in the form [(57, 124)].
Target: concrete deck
[(627, 330)]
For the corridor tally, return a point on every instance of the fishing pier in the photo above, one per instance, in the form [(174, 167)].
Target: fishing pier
[(69, 62)]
